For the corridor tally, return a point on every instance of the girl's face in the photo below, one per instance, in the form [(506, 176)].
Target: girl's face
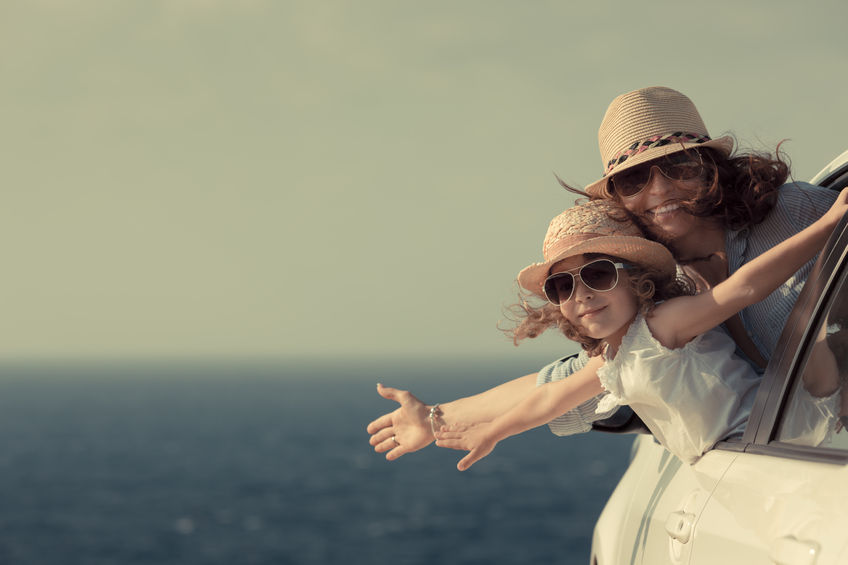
[(598, 314), (657, 203)]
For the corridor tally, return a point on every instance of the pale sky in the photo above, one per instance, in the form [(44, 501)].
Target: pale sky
[(345, 179)]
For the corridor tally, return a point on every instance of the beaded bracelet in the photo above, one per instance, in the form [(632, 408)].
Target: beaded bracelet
[(434, 411)]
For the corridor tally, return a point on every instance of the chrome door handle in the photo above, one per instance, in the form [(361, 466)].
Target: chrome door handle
[(790, 551), (678, 525)]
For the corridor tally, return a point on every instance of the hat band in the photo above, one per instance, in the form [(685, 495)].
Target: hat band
[(654, 141)]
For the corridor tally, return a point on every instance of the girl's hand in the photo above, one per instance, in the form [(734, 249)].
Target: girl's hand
[(475, 439), (405, 430), (838, 209)]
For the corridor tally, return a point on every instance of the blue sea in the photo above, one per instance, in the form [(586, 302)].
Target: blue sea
[(178, 462)]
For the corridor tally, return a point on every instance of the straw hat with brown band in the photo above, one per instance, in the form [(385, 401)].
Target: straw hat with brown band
[(647, 124)]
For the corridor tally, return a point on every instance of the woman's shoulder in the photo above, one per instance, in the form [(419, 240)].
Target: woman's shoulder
[(798, 198), (798, 205)]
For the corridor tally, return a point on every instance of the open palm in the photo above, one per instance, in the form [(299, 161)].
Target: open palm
[(405, 430)]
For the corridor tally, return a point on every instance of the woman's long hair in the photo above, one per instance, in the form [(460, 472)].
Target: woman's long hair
[(741, 189)]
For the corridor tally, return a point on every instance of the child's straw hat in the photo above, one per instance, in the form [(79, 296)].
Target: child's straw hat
[(591, 228), (647, 124)]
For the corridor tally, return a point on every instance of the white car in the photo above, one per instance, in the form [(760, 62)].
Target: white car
[(770, 498)]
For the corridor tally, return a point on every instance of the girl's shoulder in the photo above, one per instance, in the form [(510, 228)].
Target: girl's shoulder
[(641, 335), (640, 348)]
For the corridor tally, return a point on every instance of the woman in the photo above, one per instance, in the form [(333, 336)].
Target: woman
[(713, 207)]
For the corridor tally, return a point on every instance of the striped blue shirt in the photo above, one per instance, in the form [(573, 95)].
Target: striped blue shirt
[(798, 205)]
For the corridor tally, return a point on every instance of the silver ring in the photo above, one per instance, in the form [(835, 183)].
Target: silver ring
[(395, 440)]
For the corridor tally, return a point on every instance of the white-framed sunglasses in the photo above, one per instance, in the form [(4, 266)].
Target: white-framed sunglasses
[(600, 275)]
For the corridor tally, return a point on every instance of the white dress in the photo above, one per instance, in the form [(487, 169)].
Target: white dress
[(690, 397)]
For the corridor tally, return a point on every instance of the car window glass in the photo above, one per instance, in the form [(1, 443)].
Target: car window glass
[(816, 411)]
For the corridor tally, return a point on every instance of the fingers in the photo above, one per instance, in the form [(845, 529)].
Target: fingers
[(467, 461), (396, 452), (843, 196), (387, 444), (383, 421), (390, 445), (456, 443), (454, 431), (380, 436), (391, 393), (453, 440)]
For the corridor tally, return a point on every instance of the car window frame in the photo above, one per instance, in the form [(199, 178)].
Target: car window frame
[(790, 354)]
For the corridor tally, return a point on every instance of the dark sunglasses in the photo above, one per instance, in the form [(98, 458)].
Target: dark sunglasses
[(677, 166), (600, 275)]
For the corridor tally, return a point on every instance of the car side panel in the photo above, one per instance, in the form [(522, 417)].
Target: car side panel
[(614, 530), (658, 490), (774, 510)]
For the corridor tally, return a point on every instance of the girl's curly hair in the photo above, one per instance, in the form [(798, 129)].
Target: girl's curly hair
[(649, 285)]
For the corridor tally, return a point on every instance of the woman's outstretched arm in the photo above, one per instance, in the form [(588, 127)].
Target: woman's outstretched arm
[(410, 424)]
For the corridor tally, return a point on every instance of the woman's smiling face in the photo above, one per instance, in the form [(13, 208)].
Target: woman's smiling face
[(658, 203)]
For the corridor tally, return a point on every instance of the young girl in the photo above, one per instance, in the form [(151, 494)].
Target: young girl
[(651, 345)]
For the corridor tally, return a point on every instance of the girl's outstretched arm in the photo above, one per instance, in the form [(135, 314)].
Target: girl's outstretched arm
[(677, 321), (539, 407)]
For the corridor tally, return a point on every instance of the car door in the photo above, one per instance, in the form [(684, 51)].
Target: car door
[(784, 499), (651, 516), (676, 506)]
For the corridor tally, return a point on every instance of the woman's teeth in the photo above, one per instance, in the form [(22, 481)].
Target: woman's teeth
[(665, 209)]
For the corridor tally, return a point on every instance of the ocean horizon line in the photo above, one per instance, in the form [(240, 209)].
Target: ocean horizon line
[(362, 361)]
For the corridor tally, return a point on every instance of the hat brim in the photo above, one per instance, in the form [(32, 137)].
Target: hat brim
[(598, 189), (628, 248)]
